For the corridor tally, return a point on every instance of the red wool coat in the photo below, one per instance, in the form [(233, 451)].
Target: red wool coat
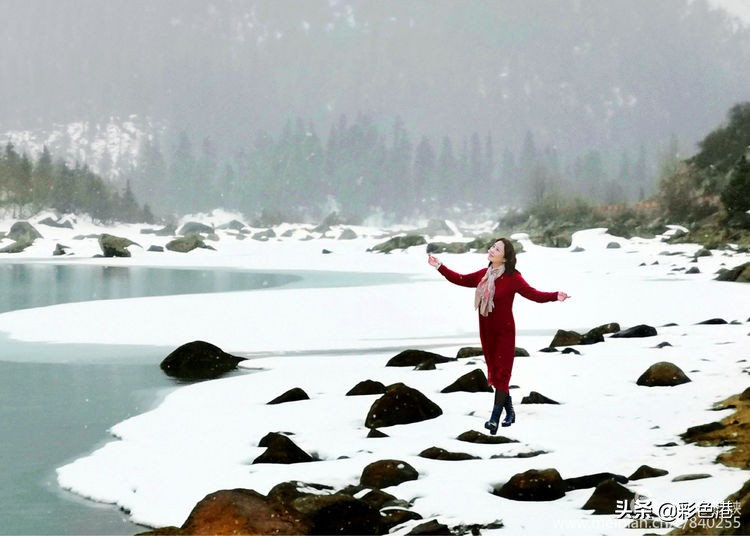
[(497, 330)]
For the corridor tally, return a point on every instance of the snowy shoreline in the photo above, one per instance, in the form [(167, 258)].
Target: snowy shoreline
[(327, 340)]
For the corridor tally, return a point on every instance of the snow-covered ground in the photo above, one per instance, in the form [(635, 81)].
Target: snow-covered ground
[(203, 437)]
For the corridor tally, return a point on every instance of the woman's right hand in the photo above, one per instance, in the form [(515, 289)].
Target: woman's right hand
[(434, 262)]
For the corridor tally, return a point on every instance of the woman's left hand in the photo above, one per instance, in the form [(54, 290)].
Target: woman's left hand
[(561, 296)]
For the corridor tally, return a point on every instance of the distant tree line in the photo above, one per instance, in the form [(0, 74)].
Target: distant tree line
[(28, 186), (364, 168)]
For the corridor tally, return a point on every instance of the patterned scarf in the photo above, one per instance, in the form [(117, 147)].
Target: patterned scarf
[(485, 293)]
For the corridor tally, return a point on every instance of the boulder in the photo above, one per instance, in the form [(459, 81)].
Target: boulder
[(606, 496), (533, 485), (663, 374), (472, 436), (433, 527), (399, 242), (292, 395), (445, 247), (60, 224), (289, 508), (591, 481), (187, 243), (412, 358), (394, 516), (713, 322), (195, 227), (471, 382), (611, 327), (641, 330), (386, 473), (436, 453), (401, 404), (234, 225), (264, 236), (566, 338), (347, 234), (23, 232), (60, 250), (469, 351), (537, 398), (645, 471), (281, 449), (115, 246), (739, 274), (243, 511), (199, 360), (367, 387)]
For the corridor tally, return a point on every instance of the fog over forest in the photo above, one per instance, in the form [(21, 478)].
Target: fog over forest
[(419, 108)]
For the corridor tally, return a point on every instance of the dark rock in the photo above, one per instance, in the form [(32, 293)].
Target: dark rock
[(399, 242), (115, 246), (281, 449), (375, 433), (242, 511), (702, 252), (713, 322), (663, 374), (432, 527), (521, 352), (641, 330), (592, 481), (167, 230), (386, 473), (694, 433), (427, 364), (693, 270), (566, 338), (613, 245), (610, 327), (401, 405), (592, 337), (520, 455), (537, 398), (377, 498), (58, 224), (338, 514), (23, 232), (533, 485), (60, 250), (332, 219), (645, 471), (392, 517), (292, 395), (156, 249), (195, 227), (187, 243), (662, 345), (606, 496), (473, 436), (412, 358), (367, 387), (471, 382), (549, 350), (469, 351), (436, 453), (199, 360), (326, 251), (571, 351), (739, 274)]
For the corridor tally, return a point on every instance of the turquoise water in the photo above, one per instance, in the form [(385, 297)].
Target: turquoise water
[(57, 401)]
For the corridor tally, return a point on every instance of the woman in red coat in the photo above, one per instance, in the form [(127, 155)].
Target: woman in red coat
[(496, 286)]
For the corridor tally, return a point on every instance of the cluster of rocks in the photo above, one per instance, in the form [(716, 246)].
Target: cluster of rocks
[(308, 508)]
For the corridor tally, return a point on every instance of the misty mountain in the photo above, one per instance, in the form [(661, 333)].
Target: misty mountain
[(578, 75)]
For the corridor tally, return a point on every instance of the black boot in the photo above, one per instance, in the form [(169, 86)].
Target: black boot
[(497, 410), (491, 425), (510, 414)]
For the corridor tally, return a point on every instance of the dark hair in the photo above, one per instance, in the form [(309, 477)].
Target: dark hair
[(510, 255)]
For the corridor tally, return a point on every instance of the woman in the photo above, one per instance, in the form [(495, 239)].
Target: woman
[(496, 287)]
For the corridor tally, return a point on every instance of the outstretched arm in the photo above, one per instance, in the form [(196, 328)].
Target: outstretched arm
[(464, 280), (530, 293)]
